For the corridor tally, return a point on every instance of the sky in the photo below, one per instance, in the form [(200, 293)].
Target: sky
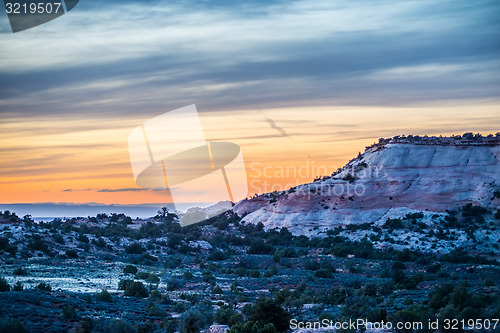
[(298, 85)]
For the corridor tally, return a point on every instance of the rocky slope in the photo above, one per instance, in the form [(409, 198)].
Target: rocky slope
[(390, 179)]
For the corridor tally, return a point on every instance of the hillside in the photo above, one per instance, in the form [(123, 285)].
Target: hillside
[(392, 178), (379, 254)]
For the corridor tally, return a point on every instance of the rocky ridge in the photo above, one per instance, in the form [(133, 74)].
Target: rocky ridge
[(390, 179)]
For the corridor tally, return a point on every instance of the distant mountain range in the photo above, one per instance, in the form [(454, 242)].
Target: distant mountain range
[(392, 178), (49, 211)]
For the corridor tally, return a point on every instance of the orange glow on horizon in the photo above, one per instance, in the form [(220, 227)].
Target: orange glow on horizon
[(77, 160)]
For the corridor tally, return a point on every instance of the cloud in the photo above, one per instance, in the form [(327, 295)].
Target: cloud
[(121, 57), (76, 190), (133, 189)]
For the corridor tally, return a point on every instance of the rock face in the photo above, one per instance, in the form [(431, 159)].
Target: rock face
[(218, 329), (390, 179)]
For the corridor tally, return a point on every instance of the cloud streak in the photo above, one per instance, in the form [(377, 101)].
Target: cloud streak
[(233, 57)]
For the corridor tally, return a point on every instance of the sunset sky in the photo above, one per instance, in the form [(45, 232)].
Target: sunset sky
[(295, 83)]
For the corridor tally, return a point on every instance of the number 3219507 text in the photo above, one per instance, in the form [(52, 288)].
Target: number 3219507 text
[(33, 8)]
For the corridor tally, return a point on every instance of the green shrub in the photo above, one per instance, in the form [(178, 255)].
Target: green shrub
[(227, 316), (489, 282), (104, 296), (44, 286), (123, 283), (11, 326), (20, 272), (136, 289), (130, 269), (141, 275), (267, 311), (72, 254), (254, 273), (216, 255), (69, 312), (323, 273), (154, 310), (252, 327), (434, 268), (258, 246), (134, 248), (113, 325), (4, 286), (18, 286), (152, 278), (195, 319), (217, 290)]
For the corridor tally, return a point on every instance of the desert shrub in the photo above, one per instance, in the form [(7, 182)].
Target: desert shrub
[(416, 215), (370, 289), (254, 273), (141, 275), (217, 290), (195, 319), (58, 238), (123, 283), (155, 294), (311, 265), (72, 254), (136, 289), (252, 327), (4, 242), (180, 307), (99, 242), (169, 325), (207, 276), (469, 210), (11, 325), (69, 312), (348, 177), (323, 273), (154, 310), (393, 224), (173, 284), (216, 255), (258, 246), (134, 248), (489, 282), (44, 286), (412, 314), (270, 272), (38, 244), (104, 296), (130, 269), (18, 286), (113, 325), (377, 315), (288, 252), (174, 240), (434, 268), (4, 286), (83, 238), (152, 278), (267, 311), (241, 271), (187, 275), (227, 316)]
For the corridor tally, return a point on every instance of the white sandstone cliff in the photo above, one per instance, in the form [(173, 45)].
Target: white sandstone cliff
[(388, 180)]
